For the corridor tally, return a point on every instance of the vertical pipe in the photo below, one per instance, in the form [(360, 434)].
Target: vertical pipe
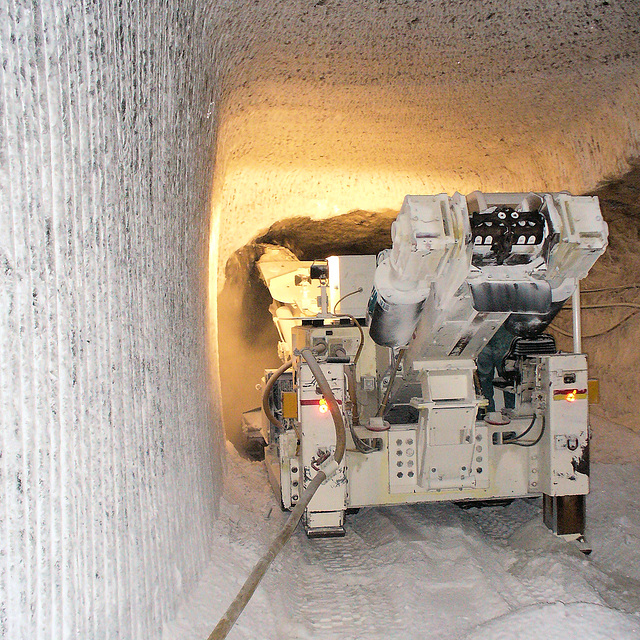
[(577, 326)]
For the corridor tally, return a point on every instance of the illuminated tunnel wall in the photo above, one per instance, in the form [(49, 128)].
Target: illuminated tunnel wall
[(345, 106), (140, 141)]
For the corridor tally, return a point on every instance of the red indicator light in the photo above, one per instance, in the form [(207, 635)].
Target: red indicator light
[(323, 406)]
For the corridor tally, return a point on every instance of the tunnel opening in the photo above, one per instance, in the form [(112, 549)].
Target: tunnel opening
[(247, 336)]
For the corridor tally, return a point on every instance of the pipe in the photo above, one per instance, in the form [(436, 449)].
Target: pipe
[(392, 378), (350, 374), (251, 583), (267, 392), (577, 326)]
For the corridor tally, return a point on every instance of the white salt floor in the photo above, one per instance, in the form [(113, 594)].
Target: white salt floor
[(425, 571)]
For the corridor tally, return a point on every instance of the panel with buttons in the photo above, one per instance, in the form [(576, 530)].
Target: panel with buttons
[(402, 460)]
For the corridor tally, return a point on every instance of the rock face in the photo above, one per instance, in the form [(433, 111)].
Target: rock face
[(109, 466), (610, 319), (141, 140)]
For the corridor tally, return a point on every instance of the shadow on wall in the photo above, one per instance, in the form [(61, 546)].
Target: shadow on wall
[(248, 338)]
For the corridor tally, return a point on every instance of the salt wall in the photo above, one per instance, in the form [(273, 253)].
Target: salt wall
[(110, 465), (112, 115)]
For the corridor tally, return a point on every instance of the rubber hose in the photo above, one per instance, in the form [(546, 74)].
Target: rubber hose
[(267, 392), (336, 414), (251, 583)]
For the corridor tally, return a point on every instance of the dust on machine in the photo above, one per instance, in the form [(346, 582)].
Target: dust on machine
[(397, 337)]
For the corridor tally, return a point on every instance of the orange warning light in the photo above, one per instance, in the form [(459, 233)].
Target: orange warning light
[(571, 396), (323, 406)]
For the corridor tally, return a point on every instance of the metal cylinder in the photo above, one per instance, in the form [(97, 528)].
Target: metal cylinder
[(392, 325)]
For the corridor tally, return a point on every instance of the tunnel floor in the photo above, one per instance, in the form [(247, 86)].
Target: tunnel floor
[(425, 571)]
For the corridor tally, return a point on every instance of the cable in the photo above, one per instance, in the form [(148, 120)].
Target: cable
[(353, 293), (251, 583), (606, 305), (524, 433), (530, 444), (600, 333), (623, 287)]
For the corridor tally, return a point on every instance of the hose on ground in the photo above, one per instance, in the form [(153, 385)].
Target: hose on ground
[(251, 583)]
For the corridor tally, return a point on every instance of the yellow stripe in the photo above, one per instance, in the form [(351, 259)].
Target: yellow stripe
[(563, 396)]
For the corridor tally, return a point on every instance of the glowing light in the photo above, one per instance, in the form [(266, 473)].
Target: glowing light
[(323, 406), (571, 396)]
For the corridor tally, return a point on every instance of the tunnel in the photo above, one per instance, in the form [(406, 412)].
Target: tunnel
[(148, 149)]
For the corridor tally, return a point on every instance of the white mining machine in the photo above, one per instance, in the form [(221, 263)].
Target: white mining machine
[(396, 338)]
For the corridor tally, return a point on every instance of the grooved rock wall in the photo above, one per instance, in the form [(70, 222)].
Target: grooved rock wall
[(109, 462), (109, 112)]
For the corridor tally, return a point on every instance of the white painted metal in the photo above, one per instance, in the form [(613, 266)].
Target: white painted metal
[(447, 454), (577, 320)]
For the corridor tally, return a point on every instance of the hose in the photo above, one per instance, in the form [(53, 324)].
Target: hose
[(336, 414), (353, 293), (265, 398), (534, 442), (525, 432), (251, 583)]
